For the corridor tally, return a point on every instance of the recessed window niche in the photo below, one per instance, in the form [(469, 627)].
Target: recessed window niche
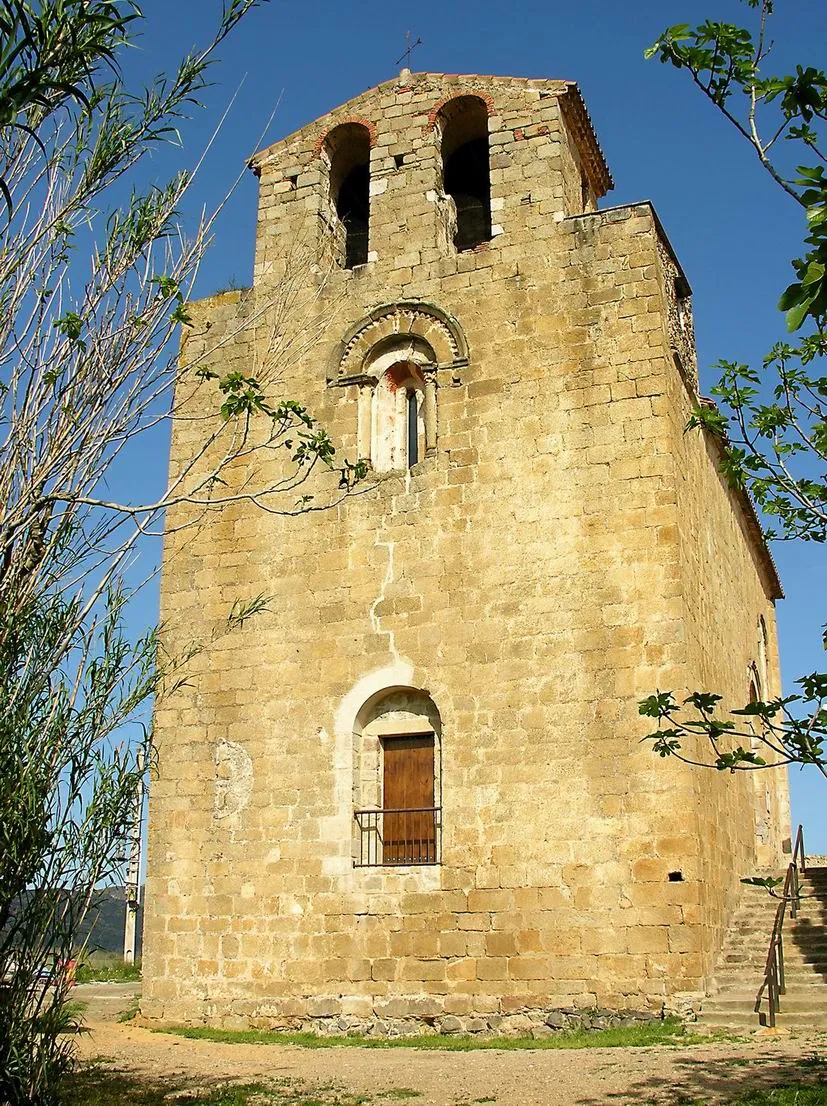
[(397, 406)]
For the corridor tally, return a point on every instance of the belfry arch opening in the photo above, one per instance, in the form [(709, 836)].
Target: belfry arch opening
[(466, 171), (347, 148)]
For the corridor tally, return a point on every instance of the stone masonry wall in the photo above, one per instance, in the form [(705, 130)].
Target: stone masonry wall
[(725, 575), (533, 578)]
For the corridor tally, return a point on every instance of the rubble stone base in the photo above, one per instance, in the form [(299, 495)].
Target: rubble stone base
[(536, 1024)]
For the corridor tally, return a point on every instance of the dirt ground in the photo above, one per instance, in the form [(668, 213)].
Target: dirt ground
[(555, 1077)]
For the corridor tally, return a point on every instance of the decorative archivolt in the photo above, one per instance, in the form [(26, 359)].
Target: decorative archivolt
[(435, 337)]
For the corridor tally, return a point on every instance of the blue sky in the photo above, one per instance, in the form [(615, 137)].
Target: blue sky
[(731, 226)]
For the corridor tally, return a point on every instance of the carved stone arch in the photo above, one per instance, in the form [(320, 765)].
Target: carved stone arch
[(393, 357), (437, 334), (350, 120), (405, 702)]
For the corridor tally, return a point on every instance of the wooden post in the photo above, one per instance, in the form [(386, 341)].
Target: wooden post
[(133, 871)]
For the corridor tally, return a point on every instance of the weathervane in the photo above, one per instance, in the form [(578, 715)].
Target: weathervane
[(406, 56)]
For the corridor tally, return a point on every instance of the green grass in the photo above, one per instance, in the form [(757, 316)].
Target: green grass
[(667, 1032), (795, 1094), (129, 1013), (94, 1086), (106, 967)]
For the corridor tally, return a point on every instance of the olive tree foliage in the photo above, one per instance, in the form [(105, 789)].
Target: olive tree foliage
[(771, 418), (95, 272)]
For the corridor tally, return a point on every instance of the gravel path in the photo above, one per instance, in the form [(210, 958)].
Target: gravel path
[(705, 1073), (104, 1002)]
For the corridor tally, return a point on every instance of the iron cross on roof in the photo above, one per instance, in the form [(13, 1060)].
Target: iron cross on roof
[(411, 46)]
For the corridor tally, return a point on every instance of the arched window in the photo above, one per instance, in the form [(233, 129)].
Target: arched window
[(395, 358), (347, 150), (466, 172), (398, 418)]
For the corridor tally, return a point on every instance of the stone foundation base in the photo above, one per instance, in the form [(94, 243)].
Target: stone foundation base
[(535, 1023)]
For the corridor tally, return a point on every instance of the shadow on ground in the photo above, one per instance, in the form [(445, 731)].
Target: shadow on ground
[(718, 1079)]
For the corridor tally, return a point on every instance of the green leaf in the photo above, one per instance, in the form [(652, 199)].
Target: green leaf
[(814, 274), (789, 297), (797, 315)]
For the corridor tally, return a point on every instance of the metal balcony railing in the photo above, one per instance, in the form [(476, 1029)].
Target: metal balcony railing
[(395, 837)]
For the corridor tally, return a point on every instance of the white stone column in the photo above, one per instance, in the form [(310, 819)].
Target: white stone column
[(400, 429), (429, 373)]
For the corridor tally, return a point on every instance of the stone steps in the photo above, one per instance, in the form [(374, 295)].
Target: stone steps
[(739, 971), (752, 981), (792, 958), (747, 1020), (740, 999)]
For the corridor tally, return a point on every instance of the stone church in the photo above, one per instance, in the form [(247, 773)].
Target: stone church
[(412, 791)]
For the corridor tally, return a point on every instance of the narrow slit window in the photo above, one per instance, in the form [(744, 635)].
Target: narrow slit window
[(413, 428), (682, 299), (398, 427)]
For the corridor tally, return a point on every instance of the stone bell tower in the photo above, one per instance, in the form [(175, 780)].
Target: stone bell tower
[(412, 791)]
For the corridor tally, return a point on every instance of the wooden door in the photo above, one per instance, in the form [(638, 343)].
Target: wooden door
[(409, 837)]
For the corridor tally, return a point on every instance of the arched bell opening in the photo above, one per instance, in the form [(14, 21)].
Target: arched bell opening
[(466, 170), (347, 151)]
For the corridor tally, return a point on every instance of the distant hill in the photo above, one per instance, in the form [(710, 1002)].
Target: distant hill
[(105, 922)]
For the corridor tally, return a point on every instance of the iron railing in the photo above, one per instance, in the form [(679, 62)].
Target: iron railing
[(773, 983), (394, 837)]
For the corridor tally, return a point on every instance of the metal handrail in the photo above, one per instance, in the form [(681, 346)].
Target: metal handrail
[(419, 843), (396, 810), (773, 983), (799, 850)]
